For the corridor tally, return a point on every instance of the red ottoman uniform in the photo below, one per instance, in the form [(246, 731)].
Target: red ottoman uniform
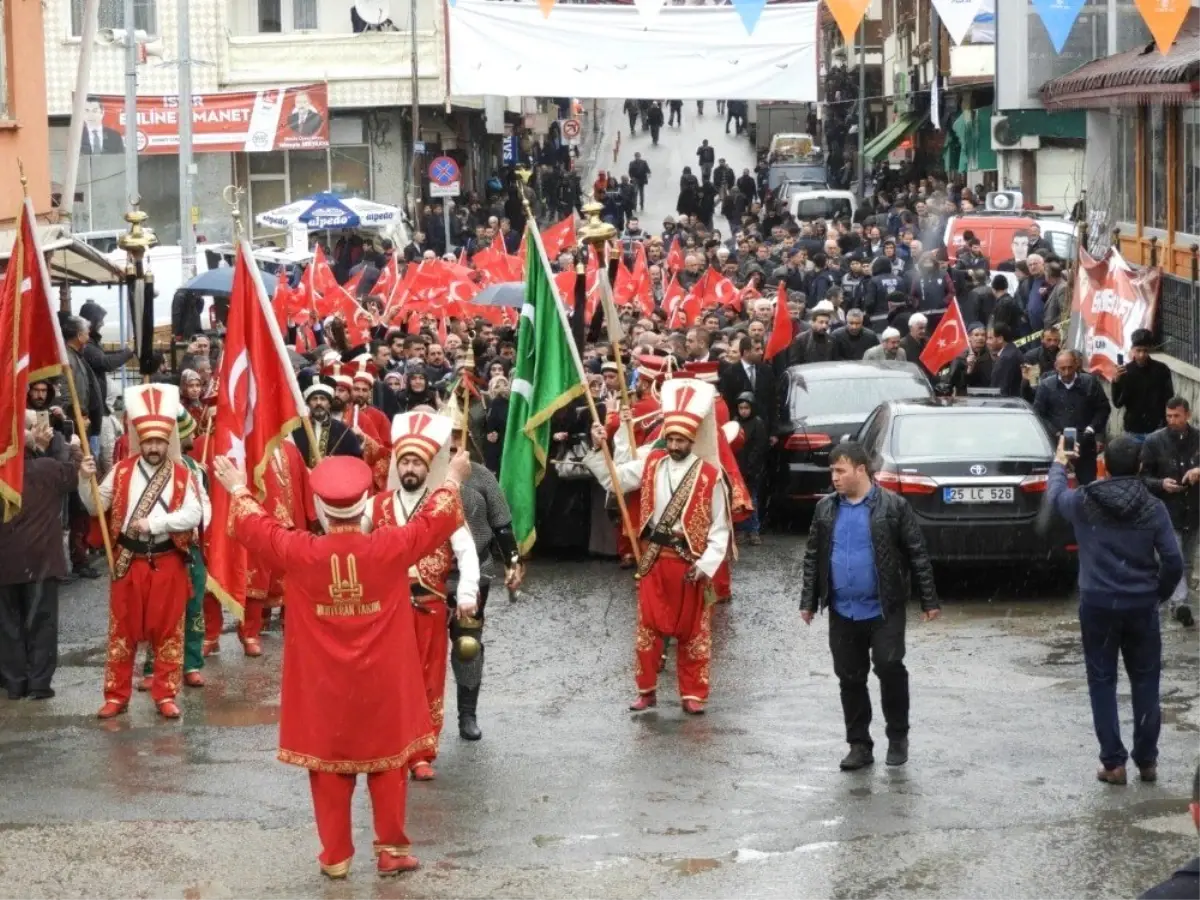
[(352, 696)]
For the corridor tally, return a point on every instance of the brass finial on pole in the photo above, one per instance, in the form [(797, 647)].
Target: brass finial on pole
[(232, 195), (24, 180)]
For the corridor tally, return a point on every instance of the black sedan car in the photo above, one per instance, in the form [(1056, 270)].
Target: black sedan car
[(974, 470), (825, 402)]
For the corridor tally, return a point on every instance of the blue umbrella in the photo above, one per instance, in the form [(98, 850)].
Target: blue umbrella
[(329, 211), (506, 293), (219, 282)]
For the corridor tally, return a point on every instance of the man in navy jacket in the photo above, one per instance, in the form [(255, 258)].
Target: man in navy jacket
[(1129, 562)]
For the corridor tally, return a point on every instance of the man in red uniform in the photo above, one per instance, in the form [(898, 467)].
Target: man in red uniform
[(353, 701), (374, 442), (651, 371), (153, 512), (372, 420), (683, 522), (420, 456)]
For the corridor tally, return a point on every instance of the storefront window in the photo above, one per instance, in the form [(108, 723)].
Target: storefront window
[(1154, 183), (282, 177), (1187, 184), (351, 171), (308, 172), (1124, 167)]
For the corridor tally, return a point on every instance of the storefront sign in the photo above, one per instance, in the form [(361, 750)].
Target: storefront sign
[(284, 118), (1112, 301)]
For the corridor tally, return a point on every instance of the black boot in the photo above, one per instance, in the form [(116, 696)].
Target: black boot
[(859, 757), (468, 728)]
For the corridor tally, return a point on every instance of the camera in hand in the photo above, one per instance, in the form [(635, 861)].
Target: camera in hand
[(1070, 437)]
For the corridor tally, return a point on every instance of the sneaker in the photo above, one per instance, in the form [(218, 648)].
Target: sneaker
[(1183, 615), (859, 757)]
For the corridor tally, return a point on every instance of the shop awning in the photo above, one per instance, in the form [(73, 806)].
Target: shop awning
[(887, 141), (68, 258), (1138, 77)]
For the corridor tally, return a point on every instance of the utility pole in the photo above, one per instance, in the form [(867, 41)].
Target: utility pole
[(87, 45), (187, 233), (862, 108), (131, 142), (416, 119)]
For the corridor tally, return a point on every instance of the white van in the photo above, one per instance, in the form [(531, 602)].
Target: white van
[(805, 206)]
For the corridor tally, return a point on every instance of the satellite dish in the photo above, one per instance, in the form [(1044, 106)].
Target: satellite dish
[(373, 14)]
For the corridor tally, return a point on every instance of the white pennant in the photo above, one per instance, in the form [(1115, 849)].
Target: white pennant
[(649, 9), (957, 15)]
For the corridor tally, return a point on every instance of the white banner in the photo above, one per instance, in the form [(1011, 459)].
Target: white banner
[(957, 16), (581, 50)]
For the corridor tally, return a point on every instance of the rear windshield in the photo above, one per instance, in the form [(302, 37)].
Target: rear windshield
[(969, 436), (854, 398), (824, 208)]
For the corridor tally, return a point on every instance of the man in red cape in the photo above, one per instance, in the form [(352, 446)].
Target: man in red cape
[(683, 524), (353, 701)]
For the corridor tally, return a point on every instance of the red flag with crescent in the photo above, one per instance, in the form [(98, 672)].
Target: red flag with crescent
[(947, 341)]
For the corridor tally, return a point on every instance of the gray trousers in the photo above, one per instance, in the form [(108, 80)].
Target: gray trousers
[(1185, 591)]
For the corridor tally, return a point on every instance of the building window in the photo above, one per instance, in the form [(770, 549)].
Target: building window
[(285, 176), (1124, 167), (281, 16), (112, 15), (1187, 181), (1154, 184)]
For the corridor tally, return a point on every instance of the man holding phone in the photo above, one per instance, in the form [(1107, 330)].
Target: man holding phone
[(1141, 387), (1070, 398)]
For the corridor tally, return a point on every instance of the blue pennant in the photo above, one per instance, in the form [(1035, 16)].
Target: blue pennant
[(1059, 18), (750, 11)]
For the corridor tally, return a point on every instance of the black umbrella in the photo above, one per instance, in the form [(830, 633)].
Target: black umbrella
[(506, 293), (219, 282)]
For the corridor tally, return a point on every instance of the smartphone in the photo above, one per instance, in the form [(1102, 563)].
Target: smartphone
[(1120, 359), (1069, 437), (43, 417)]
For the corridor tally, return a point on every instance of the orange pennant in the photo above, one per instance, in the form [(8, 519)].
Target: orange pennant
[(1164, 18), (546, 6), (848, 14)]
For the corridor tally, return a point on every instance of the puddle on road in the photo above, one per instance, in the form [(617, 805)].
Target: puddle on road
[(239, 714), (691, 865)]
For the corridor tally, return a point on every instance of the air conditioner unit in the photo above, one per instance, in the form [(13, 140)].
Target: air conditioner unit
[(1004, 138), (1004, 201)]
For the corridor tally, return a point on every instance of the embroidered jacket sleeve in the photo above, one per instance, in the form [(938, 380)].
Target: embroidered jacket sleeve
[(629, 468), (89, 498), (264, 537), (718, 535), (433, 524)]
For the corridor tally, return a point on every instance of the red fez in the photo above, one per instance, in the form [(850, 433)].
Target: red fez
[(341, 483)]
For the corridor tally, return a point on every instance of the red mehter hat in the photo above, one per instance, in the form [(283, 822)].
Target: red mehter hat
[(701, 371), (342, 484)]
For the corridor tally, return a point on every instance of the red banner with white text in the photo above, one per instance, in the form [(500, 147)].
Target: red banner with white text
[(280, 118), (1112, 301)]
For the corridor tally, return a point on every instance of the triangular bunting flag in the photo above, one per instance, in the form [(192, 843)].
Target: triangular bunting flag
[(957, 16), (1058, 16), (649, 9), (848, 14), (1164, 18), (750, 11)]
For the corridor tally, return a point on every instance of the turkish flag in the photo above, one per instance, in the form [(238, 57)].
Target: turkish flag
[(497, 266), (717, 290), (560, 237), (566, 287), (781, 330), (31, 350), (672, 297), (259, 405), (321, 277), (281, 303), (635, 285), (675, 257), (947, 341), (388, 278)]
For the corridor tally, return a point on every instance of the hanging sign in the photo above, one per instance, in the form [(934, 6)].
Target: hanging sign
[(957, 16), (1164, 18), (1059, 18), (848, 14)]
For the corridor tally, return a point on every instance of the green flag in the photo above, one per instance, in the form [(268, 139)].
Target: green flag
[(543, 381)]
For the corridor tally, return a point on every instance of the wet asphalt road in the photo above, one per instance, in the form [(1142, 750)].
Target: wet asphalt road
[(570, 795)]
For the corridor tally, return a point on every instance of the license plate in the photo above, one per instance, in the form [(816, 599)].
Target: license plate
[(977, 495)]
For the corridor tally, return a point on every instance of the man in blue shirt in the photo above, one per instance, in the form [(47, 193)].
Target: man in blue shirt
[(1129, 562), (864, 555)]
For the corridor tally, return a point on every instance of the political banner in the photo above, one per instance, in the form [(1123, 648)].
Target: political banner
[(281, 118), (957, 16), (1112, 301), (1059, 18)]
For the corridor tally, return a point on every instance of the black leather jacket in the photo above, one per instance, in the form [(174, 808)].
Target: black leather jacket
[(900, 554)]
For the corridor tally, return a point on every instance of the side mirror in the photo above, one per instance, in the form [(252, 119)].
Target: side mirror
[(845, 437)]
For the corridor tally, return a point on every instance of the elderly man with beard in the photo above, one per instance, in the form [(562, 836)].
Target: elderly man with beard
[(683, 517), (419, 459), (333, 437), (154, 511)]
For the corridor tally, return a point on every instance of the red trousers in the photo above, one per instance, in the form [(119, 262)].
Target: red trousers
[(433, 646), (723, 581), (214, 619), (147, 604), (332, 795), (669, 606), (252, 622)]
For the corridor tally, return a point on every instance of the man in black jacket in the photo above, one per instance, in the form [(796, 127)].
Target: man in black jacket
[(750, 375), (1185, 883), (1006, 373), (1072, 399), (1171, 469), (863, 554), (855, 339), (1142, 388)]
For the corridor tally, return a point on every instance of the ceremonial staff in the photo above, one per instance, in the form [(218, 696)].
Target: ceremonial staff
[(139, 283), (540, 248)]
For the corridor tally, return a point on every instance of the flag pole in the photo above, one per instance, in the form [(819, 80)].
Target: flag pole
[(626, 522), (64, 361), (589, 236)]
